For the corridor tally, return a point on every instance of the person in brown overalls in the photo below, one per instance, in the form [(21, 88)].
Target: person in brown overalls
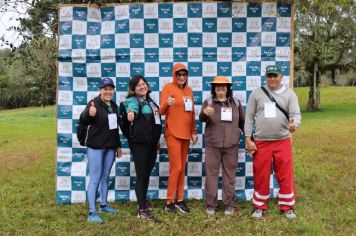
[(224, 119)]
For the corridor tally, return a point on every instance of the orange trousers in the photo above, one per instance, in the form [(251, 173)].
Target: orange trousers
[(177, 155)]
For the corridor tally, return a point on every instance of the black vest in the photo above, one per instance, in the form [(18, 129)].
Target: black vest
[(144, 129)]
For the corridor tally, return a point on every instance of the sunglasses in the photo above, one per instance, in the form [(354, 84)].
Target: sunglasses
[(181, 74)]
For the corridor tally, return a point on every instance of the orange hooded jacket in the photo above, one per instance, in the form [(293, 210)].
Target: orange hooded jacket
[(180, 123)]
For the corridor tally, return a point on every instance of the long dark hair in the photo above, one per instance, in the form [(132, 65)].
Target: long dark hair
[(132, 85), (228, 92)]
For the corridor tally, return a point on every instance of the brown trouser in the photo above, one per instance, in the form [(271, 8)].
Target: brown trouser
[(214, 157)]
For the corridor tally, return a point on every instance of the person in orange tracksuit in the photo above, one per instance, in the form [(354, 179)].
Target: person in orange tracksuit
[(178, 106)]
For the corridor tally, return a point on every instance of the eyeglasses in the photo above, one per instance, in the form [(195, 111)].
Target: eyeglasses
[(271, 76), (181, 74)]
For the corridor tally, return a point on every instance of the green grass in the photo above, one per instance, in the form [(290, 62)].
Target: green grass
[(324, 157)]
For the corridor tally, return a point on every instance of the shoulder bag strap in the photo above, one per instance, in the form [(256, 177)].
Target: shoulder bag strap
[(140, 105), (239, 108)]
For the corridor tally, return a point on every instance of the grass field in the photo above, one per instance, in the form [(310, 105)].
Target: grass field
[(324, 157)]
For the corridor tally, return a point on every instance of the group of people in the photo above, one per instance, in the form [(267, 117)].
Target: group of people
[(272, 113)]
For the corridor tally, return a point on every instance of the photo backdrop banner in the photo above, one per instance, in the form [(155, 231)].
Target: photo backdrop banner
[(233, 39)]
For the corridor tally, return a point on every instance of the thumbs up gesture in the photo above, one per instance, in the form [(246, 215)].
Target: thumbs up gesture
[(92, 109), (209, 110), (130, 115), (291, 126), (171, 100)]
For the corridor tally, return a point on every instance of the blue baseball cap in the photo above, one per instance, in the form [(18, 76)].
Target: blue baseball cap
[(106, 81)]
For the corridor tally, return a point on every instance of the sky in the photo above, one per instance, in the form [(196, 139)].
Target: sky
[(8, 19)]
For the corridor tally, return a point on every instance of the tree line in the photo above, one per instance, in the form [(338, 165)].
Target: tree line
[(324, 44)]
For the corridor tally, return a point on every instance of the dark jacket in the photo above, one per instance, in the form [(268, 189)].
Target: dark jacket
[(144, 129), (222, 134), (99, 135)]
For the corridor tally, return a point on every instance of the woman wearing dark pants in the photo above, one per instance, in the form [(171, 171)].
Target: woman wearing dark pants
[(144, 156), (145, 133)]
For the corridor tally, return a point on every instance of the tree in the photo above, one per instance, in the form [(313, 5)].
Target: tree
[(37, 53), (325, 37), (39, 59)]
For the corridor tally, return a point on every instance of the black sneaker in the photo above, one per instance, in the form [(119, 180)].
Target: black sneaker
[(171, 208), (143, 214), (182, 206)]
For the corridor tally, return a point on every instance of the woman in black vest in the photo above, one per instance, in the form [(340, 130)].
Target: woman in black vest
[(102, 141), (145, 133)]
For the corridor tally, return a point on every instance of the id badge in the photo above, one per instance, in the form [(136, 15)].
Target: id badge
[(270, 110), (226, 113), (112, 118), (188, 104), (156, 114), (157, 119)]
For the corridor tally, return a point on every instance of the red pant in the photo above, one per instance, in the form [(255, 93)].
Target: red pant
[(177, 155), (280, 151)]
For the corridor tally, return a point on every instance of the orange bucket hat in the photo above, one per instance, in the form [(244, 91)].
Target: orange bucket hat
[(220, 80)]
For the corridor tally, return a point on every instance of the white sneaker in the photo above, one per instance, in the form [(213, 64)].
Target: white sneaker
[(257, 213), (289, 214), (229, 211), (210, 211)]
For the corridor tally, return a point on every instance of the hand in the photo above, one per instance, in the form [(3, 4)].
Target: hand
[(158, 147), (171, 100), (92, 110), (251, 147), (118, 152), (131, 115), (209, 110), (292, 126), (194, 138)]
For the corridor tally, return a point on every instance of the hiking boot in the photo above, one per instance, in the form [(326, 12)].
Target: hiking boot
[(108, 209), (289, 214), (170, 208), (257, 213), (144, 214), (180, 205), (210, 211), (229, 211), (95, 218)]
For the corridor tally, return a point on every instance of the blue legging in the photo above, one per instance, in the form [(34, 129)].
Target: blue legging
[(100, 162)]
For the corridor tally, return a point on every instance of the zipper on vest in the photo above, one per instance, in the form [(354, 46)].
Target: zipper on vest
[(86, 136)]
